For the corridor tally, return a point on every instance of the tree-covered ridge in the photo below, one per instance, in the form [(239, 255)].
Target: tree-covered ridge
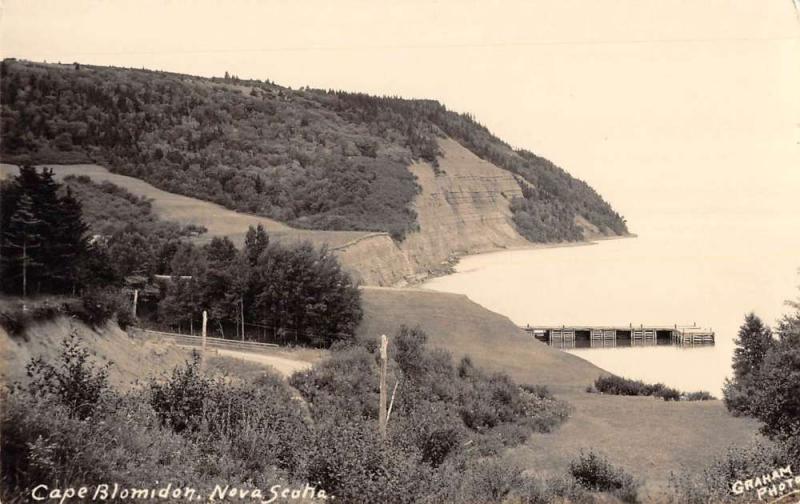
[(311, 158)]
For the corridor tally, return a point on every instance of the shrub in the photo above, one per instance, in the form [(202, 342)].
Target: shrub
[(97, 305), (15, 320), (540, 391), (699, 396), (179, 401), (73, 381), (668, 394), (489, 480), (257, 425), (594, 472), (545, 491), (348, 459), (714, 483), (433, 428), (617, 385)]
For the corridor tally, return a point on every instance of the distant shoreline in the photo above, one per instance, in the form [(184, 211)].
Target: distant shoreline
[(450, 269)]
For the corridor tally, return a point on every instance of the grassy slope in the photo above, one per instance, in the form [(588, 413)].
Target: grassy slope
[(132, 360), (184, 210), (461, 326), (647, 436)]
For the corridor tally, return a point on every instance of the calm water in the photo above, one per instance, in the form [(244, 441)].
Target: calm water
[(708, 268)]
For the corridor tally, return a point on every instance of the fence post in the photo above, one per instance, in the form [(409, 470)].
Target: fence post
[(382, 416)]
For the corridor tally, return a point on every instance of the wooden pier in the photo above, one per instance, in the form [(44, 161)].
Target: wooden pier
[(567, 337)]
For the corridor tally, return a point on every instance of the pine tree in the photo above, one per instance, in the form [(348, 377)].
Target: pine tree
[(23, 236), (70, 241), (752, 346), (754, 341)]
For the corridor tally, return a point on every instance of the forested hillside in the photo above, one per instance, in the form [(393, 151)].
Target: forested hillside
[(312, 158)]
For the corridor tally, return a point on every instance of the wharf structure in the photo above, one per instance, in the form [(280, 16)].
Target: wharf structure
[(575, 336)]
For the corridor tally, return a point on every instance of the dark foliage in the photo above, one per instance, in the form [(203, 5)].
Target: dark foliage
[(775, 399), (74, 381), (201, 430), (436, 408), (248, 435), (313, 158), (752, 345), (617, 385), (290, 294), (594, 472), (43, 240)]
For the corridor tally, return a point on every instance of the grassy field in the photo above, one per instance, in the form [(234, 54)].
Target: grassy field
[(647, 436), (219, 221), (463, 327)]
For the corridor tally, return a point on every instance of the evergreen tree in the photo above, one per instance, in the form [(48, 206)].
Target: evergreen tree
[(22, 236), (70, 241), (752, 345)]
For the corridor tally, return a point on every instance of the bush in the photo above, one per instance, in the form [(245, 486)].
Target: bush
[(617, 385), (545, 491), (98, 305), (540, 391), (594, 472), (489, 480), (714, 483), (179, 401), (15, 320), (258, 425), (699, 396), (348, 459), (73, 381)]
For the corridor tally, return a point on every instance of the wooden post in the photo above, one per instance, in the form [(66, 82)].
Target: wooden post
[(382, 413), (203, 351), (135, 301)]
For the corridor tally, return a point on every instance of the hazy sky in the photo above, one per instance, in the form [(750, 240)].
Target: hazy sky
[(655, 103)]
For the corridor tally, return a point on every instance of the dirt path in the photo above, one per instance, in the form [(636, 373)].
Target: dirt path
[(284, 366)]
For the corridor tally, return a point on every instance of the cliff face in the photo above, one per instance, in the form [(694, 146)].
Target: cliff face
[(463, 208)]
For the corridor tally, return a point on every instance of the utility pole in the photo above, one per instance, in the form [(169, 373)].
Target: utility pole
[(135, 301), (382, 413), (203, 351)]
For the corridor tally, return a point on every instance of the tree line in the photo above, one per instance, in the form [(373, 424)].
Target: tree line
[(293, 294), (296, 294), (317, 159)]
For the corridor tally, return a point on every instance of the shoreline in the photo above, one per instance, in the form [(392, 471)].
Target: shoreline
[(455, 259)]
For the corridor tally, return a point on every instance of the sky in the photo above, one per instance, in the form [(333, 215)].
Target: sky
[(656, 103)]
